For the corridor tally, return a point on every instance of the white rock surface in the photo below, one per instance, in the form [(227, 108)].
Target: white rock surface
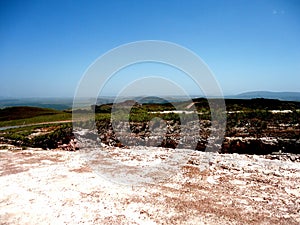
[(59, 187)]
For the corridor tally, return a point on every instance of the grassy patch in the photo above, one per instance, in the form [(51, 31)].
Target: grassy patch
[(48, 138), (37, 119), (24, 112)]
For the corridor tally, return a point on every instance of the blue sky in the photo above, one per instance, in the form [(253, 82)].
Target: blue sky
[(46, 46)]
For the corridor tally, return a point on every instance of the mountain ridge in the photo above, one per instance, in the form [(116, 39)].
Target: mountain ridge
[(286, 96)]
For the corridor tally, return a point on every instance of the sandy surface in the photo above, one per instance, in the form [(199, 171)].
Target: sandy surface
[(59, 187)]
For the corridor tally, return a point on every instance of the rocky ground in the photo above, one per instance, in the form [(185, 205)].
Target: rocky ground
[(241, 138), (146, 185)]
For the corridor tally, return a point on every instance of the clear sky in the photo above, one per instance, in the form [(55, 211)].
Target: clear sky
[(46, 45)]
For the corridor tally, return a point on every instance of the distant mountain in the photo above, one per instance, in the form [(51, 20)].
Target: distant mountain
[(53, 103), (67, 103), (286, 96)]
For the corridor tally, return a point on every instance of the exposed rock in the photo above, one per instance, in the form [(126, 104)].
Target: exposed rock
[(201, 188), (175, 135), (71, 146)]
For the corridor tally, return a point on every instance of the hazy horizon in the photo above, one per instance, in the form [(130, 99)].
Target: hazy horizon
[(113, 96)]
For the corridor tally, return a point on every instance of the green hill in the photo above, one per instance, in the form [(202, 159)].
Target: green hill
[(24, 112)]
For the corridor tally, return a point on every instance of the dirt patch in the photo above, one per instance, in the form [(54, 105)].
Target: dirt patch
[(13, 162), (62, 187), (84, 169)]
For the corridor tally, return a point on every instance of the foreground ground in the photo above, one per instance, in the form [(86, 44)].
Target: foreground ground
[(59, 187)]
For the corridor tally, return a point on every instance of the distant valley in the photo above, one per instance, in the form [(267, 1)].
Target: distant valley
[(65, 103)]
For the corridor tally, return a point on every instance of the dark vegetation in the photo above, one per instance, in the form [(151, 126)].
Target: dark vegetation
[(252, 126), (24, 112), (260, 104), (50, 137), (49, 134), (23, 115)]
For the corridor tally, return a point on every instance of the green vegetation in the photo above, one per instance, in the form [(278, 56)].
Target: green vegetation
[(62, 134), (260, 104), (23, 112), (25, 115), (42, 136), (43, 127), (40, 127)]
